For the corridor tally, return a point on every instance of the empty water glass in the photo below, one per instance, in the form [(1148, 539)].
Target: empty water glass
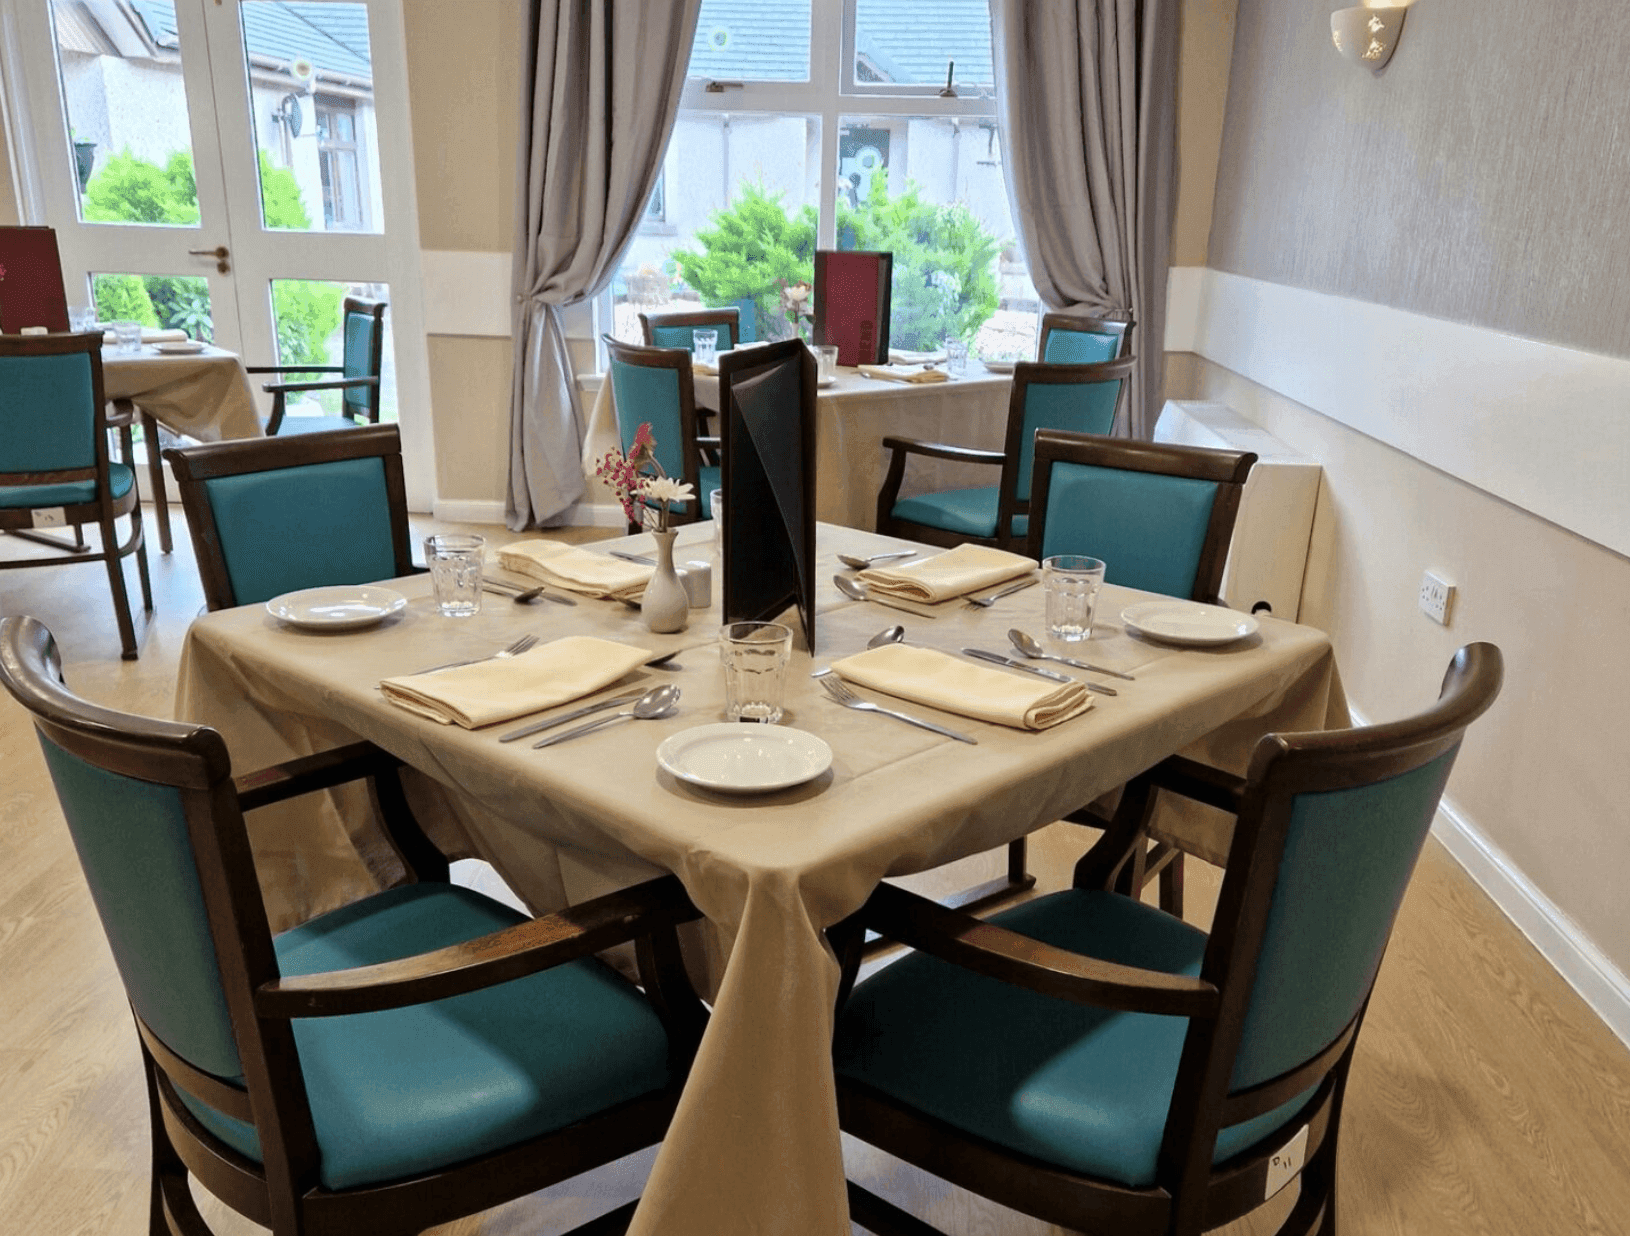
[(1071, 584), (81, 318), (956, 357), (755, 669), (826, 363), (455, 572), (705, 346), (715, 502), (127, 336)]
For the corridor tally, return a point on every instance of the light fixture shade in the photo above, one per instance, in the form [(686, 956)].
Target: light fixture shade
[(1367, 36)]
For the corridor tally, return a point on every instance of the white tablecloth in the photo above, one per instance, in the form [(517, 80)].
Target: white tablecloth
[(754, 1147), (204, 395)]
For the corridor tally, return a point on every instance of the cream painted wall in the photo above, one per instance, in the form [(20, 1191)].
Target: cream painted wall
[(1205, 46)]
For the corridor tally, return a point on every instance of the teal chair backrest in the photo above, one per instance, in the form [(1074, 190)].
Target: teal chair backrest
[(650, 393), (1077, 407), (1081, 347), (359, 354), (133, 845), (747, 315), (1148, 529), (1348, 857), (306, 527), (47, 413), (685, 336)]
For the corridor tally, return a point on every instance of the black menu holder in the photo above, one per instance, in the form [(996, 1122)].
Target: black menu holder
[(31, 292), (853, 291), (767, 398)]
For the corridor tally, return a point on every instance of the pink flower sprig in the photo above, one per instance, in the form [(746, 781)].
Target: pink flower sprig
[(645, 496)]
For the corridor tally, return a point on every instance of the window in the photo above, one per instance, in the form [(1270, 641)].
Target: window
[(339, 165), (830, 124)]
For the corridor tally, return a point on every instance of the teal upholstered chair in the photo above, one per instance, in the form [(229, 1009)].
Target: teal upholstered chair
[(1077, 339), (410, 1058), (1078, 398), (1101, 1065), (655, 385), (274, 515), (678, 329), (54, 464), (1161, 518), (363, 322)]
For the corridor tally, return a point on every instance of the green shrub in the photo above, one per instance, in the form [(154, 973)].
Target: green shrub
[(123, 298), (126, 189), (752, 249)]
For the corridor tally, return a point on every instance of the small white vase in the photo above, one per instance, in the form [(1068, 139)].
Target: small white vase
[(665, 605)]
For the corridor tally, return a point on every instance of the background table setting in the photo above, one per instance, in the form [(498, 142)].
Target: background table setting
[(755, 1146)]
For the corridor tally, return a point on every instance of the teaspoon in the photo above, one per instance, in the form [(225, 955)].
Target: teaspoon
[(1027, 644), (888, 635), (657, 702), (860, 564)]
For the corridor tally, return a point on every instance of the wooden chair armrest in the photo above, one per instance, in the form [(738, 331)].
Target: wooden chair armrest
[(1201, 782), (707, 441), (1012, 958), (330, 384), (941, 450), (326, 769), (294, 368), (119, 412), (526, 948)]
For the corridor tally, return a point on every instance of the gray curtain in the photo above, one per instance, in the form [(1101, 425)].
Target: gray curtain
[(600, 85), (1086, 98)]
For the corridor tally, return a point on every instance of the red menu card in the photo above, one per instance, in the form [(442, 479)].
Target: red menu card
[(852, 290), (31, 280)]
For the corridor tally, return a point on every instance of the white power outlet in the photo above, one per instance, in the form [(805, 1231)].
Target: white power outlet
[(1437, 595)]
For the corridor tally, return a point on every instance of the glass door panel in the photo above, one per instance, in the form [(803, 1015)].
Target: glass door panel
[(310, 332)]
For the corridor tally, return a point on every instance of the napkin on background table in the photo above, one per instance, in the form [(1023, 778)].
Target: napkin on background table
[(950, 684), (150, 335), (905, 373), (509, 687), (900, 356), (955, 573), (576, 570)]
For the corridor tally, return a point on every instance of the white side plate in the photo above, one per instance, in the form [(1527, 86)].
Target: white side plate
[(179, 347), (1184, 622), (744, 759), (998, 366), (342, 608), (823, 383)]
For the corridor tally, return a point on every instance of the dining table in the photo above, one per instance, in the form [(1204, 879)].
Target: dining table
[(754, 1146)]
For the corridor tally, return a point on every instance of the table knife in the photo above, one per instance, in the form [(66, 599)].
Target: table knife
[(639, 558), (997, 658), (564, 717)]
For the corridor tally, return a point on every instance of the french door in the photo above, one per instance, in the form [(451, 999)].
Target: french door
[(231, 167)]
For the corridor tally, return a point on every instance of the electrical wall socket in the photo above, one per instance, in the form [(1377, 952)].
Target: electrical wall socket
[(1437, 595)]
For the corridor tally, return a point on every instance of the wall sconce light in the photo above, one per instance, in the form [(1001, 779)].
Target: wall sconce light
[(1367, 36)]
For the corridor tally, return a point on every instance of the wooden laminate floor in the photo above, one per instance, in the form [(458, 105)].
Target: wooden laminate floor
[(1485, 1099)]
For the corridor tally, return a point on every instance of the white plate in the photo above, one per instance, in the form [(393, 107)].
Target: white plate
[(178, 346), (823, 383), (1184, 622), (998, 366), (743, 759), (343, 608)]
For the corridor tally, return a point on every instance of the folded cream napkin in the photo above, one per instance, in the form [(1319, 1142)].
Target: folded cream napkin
[(900, 356), (905, 373), (500, 690), (955, 573), (150, 335), (953, 685), (576, 570)]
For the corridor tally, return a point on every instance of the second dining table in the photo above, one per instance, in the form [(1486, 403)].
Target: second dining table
[(754, 1146)]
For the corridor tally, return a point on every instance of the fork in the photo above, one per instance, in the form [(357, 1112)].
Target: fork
[(514, 650), (839, 691), (986, 602)]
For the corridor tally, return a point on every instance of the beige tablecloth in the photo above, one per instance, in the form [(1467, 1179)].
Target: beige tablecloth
[(754, 1147), (205, 395), (854, 415)]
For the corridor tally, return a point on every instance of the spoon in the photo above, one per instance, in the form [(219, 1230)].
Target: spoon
[(1028, 645), (860, 564), (852, 589), (657, 702), (888, 635)]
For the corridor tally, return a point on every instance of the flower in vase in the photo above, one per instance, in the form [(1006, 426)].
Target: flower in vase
[(662, 492)]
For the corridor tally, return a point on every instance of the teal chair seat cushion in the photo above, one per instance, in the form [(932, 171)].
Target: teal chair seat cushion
[(314, 424), (971, 512), (1084, 1088), (26, 497), (402, 1091)]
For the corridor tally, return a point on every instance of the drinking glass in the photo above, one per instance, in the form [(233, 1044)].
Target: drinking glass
[(455, 572), (81, 318), (715, 503), (826, 363), (755, 669), (956, 357), (1071, 584), (705, 346), (127, 336)]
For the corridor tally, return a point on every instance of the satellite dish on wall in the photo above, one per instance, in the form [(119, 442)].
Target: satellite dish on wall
[(289, 109)]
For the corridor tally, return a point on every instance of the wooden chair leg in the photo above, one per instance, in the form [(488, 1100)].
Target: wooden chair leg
[(155, 475)]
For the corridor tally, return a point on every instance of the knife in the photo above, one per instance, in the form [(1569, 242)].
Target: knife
[(564, 717), (639, 558), (997, 658)]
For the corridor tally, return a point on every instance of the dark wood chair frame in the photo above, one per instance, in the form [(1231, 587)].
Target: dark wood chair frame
[(102, 511), (1190, 1194), (1228, 470), (703, 447), (1081, 322), (195, 465), (280, 391), (728, 316), (283, 1193), (1009, 504)]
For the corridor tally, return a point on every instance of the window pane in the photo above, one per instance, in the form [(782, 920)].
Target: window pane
[(931, 190), (163, 302), (310, 331), (740, 195), (756, 41), (127, 113), (311, 94), (893, 43)]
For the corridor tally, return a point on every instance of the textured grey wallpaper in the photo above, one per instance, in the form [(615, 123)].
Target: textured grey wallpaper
[(1483, 177)]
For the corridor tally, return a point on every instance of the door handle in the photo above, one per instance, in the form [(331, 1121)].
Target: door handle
[(220, 253)]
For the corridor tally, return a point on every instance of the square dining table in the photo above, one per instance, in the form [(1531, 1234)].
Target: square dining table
[(754, 1146)]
